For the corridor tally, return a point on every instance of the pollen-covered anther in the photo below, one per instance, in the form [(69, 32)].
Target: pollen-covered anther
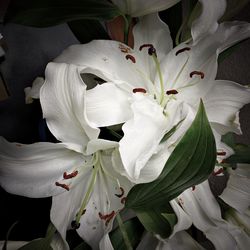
[(182, 50), (121, 194), (220, 171), (71, 175), (130, 57), (106, 217), (65, 186), (199, 73), (172, 92), (75, 225), (124, 49), (139, 90), (221, 153), (151, 49)]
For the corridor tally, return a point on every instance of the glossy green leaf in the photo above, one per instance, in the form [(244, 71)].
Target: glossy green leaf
[(37, 244), (191, 162), (44, 13), (157, 221), (134, 231), (87, 30)]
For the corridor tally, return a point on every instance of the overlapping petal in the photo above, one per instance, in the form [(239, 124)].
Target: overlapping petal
[(63, 103), (32, 170)]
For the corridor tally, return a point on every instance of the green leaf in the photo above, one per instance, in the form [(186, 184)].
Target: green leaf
[(44, 13), (37, 244), (87, 30), (229, 139), (134, 231), (191, 162), (157, 221)]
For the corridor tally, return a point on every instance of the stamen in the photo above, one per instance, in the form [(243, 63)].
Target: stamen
[(122, 193), (75, 225), (141, 90), (130, 57), (220, 171), (172, 92), (124, 49), (193, 188), (201, 74), (182, 50), (146, 46), (106, 217), (123, 200), (222, 153), (65, 186), (71, 175)]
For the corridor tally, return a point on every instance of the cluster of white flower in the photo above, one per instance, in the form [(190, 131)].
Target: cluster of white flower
[(143, 91)]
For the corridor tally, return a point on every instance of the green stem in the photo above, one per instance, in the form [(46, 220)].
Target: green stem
[(89, 191), (127, 20), (124, 232)]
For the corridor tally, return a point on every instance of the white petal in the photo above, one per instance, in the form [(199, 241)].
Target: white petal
[(151, 30), (202, 56), (180, 241), (183, 220), (107, 105), (138, 145), (107, 60), (103, 201), (212, 10), (223, 101), (237, 192), (32, 170), (63, 103), (138, 8), (100, 144), (34, 91)]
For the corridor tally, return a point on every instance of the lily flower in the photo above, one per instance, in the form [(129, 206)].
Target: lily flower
[(136, 8), (78, 173), (156, 87)]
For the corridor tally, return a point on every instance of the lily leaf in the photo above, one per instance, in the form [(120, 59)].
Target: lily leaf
[(134, 230), (157, 221), (44, 13), (191, 162)]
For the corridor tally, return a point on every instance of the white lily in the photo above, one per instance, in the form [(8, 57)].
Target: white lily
[(136, 8), (237, 192), (78, 173), (204, 211), (155, 87)]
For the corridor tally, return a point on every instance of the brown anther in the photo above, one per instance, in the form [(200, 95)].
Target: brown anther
[(121, 194), (130, 57), (84, 211), (140, 90), (221, 170), (123, 200), (193, 188), (199, 73), (111, 216), (172, 92), (147, 45), (75, 225), (71, 175), (222, 153), (65, 186), (182, 50), (124, 49)]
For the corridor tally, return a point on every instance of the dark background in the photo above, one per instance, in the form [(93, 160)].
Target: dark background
[(29, 50)]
